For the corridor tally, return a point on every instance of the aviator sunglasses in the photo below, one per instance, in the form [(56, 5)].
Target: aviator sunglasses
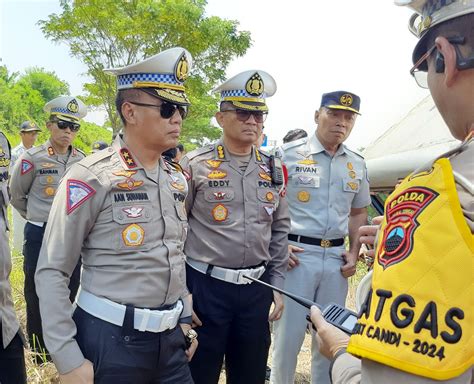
[(74, 127), (167, 110), (243, 115)]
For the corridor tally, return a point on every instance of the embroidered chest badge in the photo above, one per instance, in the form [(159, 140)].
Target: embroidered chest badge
[(133, 235), (402, 211)]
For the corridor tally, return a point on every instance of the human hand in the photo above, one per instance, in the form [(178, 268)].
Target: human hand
[(367, 235), (330, 339), (293, 260), (196, 321), (349, 267), (83, 374), (277, 307), (194, 342)]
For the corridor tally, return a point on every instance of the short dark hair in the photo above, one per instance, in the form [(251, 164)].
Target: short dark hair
[(459, 26), (225, 106), (294, 134), (123, 96)]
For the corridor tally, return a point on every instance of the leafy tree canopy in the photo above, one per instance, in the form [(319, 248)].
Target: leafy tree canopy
[(113, 33), (22, 97)]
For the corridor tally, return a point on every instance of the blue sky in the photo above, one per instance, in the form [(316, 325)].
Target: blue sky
[(308, 46)]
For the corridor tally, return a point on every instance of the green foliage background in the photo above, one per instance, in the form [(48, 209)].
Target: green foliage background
[(115, 33), (23, 96)]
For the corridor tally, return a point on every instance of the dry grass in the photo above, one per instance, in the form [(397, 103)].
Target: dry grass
[(46, 373)]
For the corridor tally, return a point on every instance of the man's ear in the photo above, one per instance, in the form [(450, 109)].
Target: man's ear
[(49, 125), (316, 116), (128, 113), (447, 53), (219, 118)]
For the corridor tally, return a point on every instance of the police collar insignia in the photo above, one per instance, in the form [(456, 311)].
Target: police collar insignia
[(51, 151), (26, 167), (402, 211), (127, 158), (77, 193), (220, 152)]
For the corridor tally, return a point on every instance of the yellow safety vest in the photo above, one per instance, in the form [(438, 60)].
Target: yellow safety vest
[(419, 314)]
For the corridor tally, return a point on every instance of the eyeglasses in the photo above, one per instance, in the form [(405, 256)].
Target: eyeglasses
[(74, 127), (243, 115), (420, 70), (167, 110)]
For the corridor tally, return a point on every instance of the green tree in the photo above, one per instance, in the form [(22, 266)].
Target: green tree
[(114, 33)]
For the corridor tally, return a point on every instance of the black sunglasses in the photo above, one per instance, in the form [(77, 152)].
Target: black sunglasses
[(167, 110), (243, 115), (74, 127)]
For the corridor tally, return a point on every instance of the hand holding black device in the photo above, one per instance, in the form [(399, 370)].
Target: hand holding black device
[(333, 313)]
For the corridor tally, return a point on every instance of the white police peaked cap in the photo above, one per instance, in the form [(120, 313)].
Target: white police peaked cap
[(66, 108), (163, 73), (430, 13), (248, 90)]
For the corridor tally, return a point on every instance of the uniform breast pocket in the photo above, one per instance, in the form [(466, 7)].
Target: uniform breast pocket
[(133, 222), (218, 202), (351, 185), (305, 181), (267, 200)]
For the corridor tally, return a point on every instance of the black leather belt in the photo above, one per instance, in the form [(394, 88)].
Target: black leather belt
[(325, 243)]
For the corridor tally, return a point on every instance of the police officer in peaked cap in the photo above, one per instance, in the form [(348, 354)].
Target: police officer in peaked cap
[(238, 225), (121, 211), (34, 182)]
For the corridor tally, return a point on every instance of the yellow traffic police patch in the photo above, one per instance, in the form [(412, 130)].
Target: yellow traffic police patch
[(220, 212), (133, 235), (303, 196)]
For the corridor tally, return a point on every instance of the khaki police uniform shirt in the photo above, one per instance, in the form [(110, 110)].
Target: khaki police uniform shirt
[(322, 188), (237, 219), (8, 318), (347, 368), (35, 179), (129, 225)]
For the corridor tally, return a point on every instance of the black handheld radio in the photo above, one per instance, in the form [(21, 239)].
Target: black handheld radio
[(333, 313)]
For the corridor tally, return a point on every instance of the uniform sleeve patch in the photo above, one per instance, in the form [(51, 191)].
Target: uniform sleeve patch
[(26, 167), (77, 193)]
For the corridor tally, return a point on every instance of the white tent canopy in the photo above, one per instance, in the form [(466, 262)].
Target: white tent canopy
[(419, 137)]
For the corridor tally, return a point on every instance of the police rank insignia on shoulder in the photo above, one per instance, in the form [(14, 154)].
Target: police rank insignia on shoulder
[(402, 211), (77, 192), (26, 166)]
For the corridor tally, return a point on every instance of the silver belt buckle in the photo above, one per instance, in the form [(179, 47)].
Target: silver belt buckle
[(240, 277)]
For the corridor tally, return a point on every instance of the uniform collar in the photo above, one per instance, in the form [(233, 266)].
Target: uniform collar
[(314, 146), (128, 160), (126, 157), (221, 153), (51, 152)]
